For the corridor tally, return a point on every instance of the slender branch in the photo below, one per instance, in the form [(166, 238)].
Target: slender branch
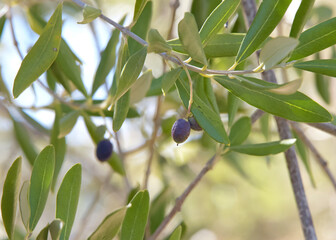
[(256, 115), (290, 154), (180, 200), (320, 160), (326, 127)]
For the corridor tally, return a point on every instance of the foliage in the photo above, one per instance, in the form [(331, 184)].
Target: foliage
[(208, 39)]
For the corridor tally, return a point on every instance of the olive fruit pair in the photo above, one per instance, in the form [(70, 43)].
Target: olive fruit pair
[(104, 150), (181, 129)]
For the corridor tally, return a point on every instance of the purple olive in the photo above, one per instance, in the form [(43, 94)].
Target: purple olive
[(180, 130), (104, 150), (194, 124)]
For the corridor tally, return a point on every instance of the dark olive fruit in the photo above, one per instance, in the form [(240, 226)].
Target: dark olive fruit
[(194, 124), (104, 150), (180, 131)]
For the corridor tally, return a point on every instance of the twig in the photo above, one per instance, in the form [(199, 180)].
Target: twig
[(180, 200), (290, 155), (169, 57), (136, 149), (256, 115), (122, 156), (326, 127), (320, 160)]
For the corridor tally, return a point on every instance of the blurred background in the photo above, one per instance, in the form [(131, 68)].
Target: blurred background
[(242, 198)]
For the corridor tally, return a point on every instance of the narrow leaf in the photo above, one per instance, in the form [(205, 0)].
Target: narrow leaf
[(43, 235), (315, 39), (139, 89), (107, 60), (240, 131), (296, 107), (67, 123), (120, 111), (216, 20), (190, 39), (321, 66), (24, 140), (233, 103), (10, 195), (275, 50), (2, 24), (208, 119), (202, 9), (130, 72), (55, 229), (90, 14), (169, 79), (24, 203), (110, 226), (116, 164), (42, 54), (221, 45), (176, 235), (40, 183), (264, 149), (92, 128), (134, 224), (267, 18), (67, 199), (301, 17), (156, 42), (158, 208), (287, 88), (138, 8)]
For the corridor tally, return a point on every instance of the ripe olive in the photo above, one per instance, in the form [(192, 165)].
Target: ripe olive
[(194, 124), (104, 150), (180, 130)]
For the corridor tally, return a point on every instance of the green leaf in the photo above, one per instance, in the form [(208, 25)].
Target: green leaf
[(134, 224), (156, 42), (42, 54), (141, 27), (24, 140), (296, 107), (190, 39), (67, 123), (130, 72), (120, 111), (321, 66), (169, 79), (2, 24), (216, 20), (10, 195), (107, 60), (201, 10), (158, 208), (55, 229), (176, 235), (110, 226), (138, 8), (67, 199), (275, 50), (43, 235), (92, 128), (301, 17), (58, 143), (116, 164), (264, 149), (221, 45), (240, 131), (267, 18), (233, 103), (315, 39), (24, 203), (322, 84), (207, 118), (3, 88), (140, 88), (66, 62), (40, 182), (90, 14)]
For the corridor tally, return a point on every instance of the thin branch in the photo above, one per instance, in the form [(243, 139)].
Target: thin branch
[(256, 115), (326, 127), (290, 154), (320, 160), (180, 200)]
